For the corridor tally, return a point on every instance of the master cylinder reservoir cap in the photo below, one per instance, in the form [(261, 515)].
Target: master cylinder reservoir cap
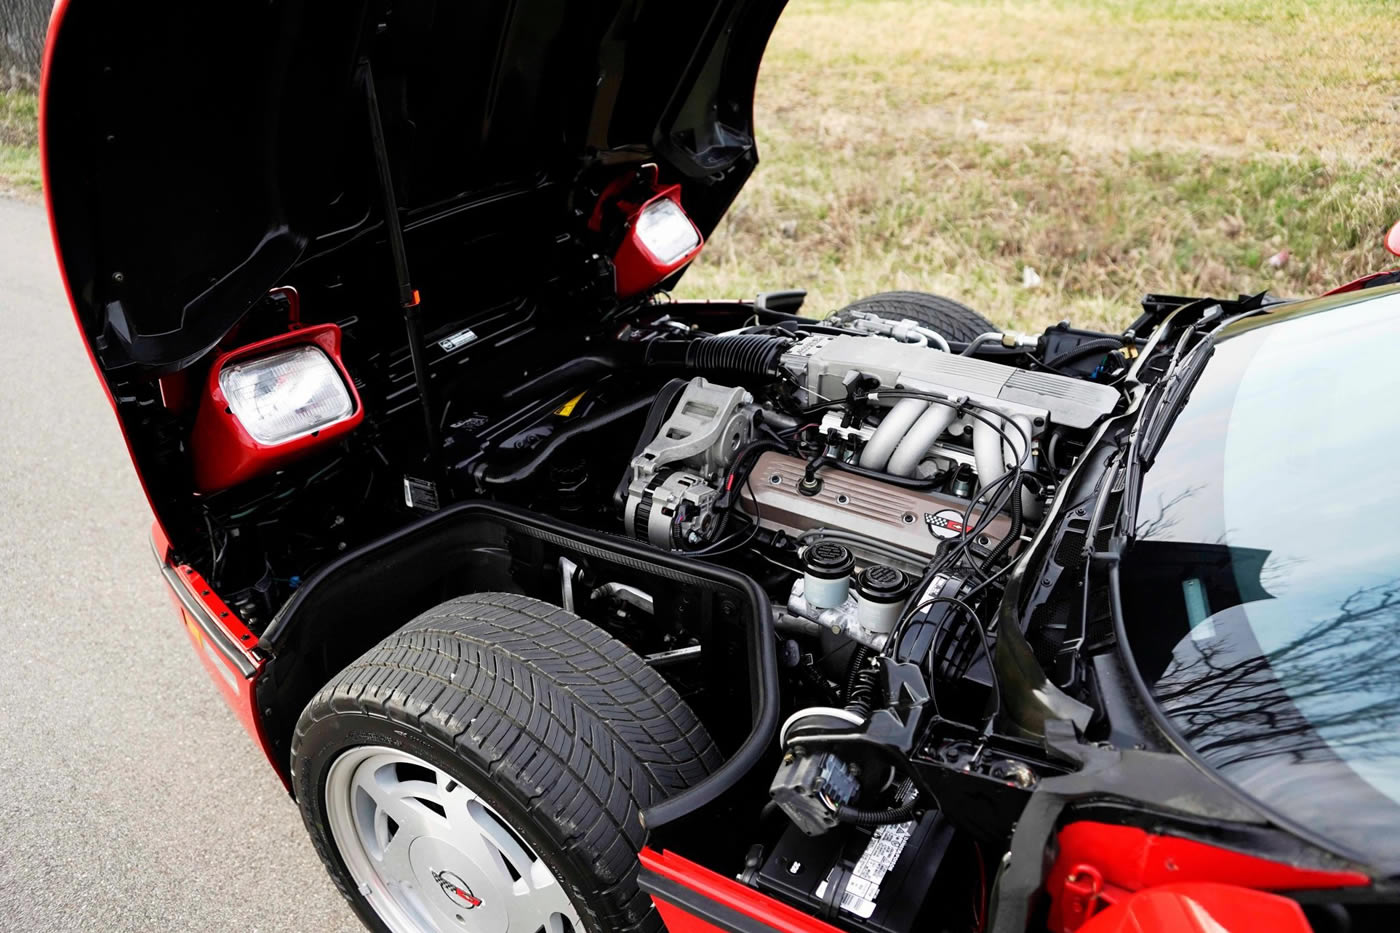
[(880, 594), (827, 579)]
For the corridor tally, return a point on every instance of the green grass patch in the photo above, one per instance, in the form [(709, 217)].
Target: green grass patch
[(1100, 230), (1117, 147), (19, 141)]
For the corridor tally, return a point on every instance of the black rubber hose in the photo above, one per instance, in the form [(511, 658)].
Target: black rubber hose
[(491, 475), (740, 469), (858, 817), (743, 354), (578, 372), (1012, 534), (1088, 348)]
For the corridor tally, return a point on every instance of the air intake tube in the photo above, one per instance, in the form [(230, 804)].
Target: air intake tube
[(738, 354)]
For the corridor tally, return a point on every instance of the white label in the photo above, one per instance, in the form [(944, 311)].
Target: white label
[(458, 340), (881, 854), (420, 494)]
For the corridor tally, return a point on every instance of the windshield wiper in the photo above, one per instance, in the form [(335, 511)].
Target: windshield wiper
[(1176, 389), (1159, 411)]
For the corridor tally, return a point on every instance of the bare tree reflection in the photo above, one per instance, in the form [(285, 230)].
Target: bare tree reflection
[(1333, 689), (1164, 520)]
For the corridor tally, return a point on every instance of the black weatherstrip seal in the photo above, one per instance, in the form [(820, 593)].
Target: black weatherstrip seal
[(758, 624), (698, 905), (213, 633)]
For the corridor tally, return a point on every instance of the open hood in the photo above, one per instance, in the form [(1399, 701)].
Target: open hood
[(196, 154)]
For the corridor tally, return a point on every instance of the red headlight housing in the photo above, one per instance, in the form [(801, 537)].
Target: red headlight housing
[(659, 239), (271, 402)]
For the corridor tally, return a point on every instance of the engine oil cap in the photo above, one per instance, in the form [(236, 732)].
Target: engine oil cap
[(881, 584), (827, 560)]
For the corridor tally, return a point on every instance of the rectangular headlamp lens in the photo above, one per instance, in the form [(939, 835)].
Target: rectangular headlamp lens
[(666, 232), (286, 395)]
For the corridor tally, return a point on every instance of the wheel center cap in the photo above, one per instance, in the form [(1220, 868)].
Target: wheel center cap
[(457, 890)]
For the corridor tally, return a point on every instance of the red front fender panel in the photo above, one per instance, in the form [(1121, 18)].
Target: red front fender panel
[(1201, 907), (1101, 864)]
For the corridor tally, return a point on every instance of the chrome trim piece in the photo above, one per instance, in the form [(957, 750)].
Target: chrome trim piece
[(213, 633)]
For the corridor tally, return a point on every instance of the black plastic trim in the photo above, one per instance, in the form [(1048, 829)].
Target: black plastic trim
[(698, 905)]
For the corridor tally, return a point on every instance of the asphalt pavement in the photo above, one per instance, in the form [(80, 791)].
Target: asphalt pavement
[(130, 797)]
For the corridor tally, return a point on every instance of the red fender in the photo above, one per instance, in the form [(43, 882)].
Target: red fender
[(1201, 907)]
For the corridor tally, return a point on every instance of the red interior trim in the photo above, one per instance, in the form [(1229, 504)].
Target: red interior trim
[(1099, 863)]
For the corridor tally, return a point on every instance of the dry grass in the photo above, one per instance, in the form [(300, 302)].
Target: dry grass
[(1116, 147), (19, 141)]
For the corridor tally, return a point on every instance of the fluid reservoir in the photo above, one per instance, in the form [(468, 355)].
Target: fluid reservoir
[(880, 595), (827, 577)]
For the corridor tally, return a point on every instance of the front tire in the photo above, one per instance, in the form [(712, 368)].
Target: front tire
[(953, 320), (484, 768)]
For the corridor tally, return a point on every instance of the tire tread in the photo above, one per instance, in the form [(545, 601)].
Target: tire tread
[(564, 719), (952, 319)]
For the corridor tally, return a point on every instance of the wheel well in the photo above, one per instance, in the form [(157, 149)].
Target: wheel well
[(354, 603)]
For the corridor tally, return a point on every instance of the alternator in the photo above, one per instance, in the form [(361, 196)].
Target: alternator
[(677, 477)]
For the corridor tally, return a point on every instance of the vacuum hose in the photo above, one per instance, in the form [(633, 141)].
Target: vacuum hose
[(858, 817)]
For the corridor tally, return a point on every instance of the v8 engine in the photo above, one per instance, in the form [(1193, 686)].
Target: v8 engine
[(899, 440)]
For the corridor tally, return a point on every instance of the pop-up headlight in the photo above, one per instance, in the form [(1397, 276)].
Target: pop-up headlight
[(660, 239), (286, 395), (271, 402), (665, 232)]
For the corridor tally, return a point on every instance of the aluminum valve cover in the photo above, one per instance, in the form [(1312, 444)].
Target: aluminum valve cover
[(914, 520)]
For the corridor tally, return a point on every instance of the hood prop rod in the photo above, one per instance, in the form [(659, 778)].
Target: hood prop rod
[(409, 300)]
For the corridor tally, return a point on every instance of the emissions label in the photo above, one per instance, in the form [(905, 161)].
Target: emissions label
[(458, 340), (420, 494)]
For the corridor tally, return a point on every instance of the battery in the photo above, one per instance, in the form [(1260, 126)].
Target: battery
[(878, 878)]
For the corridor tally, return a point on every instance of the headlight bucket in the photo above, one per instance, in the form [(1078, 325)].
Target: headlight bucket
[(660, 238), (269, 403)]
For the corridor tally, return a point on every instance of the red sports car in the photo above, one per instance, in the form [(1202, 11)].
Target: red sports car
[(560, 606)]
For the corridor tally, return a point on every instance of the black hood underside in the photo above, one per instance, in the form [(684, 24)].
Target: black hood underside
[(196, 153)]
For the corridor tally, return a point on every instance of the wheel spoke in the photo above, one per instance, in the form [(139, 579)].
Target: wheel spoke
[(408, 813), (541, 908), (476, 838), (393, 861)]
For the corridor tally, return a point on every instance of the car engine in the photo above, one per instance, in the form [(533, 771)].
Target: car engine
[(881, 484)]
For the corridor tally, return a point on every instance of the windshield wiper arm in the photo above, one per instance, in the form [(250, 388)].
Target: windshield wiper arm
[(1176, 390), (1159, 411)]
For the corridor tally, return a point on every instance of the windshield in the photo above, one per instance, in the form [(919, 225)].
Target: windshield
[(1262, 595)]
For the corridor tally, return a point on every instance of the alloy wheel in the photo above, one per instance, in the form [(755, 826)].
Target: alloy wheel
[(429, 854)]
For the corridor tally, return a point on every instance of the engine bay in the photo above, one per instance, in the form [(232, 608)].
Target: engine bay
[(877, 487)]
